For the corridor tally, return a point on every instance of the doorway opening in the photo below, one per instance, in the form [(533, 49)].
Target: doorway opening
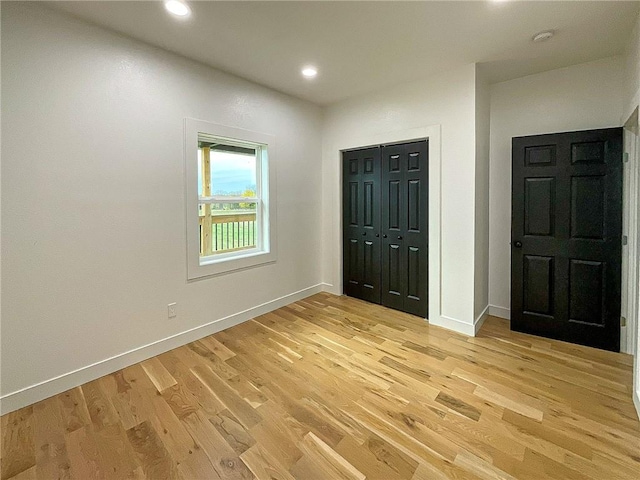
[(566, 236), (386, 225)]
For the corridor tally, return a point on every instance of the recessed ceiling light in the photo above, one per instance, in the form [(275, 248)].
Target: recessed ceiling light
[(543, 36), (177, 7), (309, 72)]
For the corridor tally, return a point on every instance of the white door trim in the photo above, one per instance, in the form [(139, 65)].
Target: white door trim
[(630, 335), (631, 224)]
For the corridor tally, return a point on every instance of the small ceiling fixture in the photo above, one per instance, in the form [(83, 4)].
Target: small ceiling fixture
[(542, 36), (309, 72), (176, 7)]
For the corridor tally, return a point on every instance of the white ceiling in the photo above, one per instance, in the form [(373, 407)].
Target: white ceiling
[(364, 46)]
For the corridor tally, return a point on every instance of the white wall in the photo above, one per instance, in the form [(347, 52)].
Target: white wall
[(93, 209), (482, 122), (447, 100), (631, 102), (579, 97)]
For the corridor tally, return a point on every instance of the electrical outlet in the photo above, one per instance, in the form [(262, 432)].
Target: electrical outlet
[(172, 310)]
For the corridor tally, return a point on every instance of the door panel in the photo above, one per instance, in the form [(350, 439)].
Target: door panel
[(539, 194), (413, 205), (587, 152), (352, 273), (369, 206), (587, 207), (370, 268), (414, 285), (361, 224), (543, 155), (393, 284), (586, 296), (566, 236), (392, 206), (353, 199), (538, 285)]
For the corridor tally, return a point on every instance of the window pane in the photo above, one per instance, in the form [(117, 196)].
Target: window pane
[(232, 227), (233, 174)]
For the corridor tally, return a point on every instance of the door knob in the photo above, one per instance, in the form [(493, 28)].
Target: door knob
[(377, 234), (399, 237), (384, 236), (518, 244), (364, 234)]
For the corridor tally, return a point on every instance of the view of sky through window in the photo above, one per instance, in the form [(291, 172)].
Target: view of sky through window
[(231, 173)]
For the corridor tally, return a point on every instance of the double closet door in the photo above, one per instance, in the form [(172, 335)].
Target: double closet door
[(385, 225)]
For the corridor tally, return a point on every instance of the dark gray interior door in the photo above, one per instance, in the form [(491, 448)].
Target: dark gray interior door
[(361, 224), (405, 233), (566, 245)]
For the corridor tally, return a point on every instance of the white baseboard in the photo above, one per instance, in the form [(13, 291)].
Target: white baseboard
[(470, 329), (501, 312), (625, 344), (454, 324), (636, 401), (34, 393), (331, 288), (477, 324)]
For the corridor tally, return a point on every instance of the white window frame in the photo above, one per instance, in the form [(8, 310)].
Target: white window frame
[(265, 250)]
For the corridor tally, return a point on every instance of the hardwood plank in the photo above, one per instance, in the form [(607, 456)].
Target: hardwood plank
[(29, 474), (170, 430), (507, 403), (48, 435), (84, 454), (117, 459), (228, 426), (482, 468), (158, 374), (218, 348), (263, 465), (74, 409), (330, 461), (550, 434), (99, 405), (459, 406), (131, 407), (378, 459), (197, 466), (150, 452), (244, 412), (18, 450), (223, 458)]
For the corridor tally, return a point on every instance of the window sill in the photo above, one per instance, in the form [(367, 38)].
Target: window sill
[(226, 263)]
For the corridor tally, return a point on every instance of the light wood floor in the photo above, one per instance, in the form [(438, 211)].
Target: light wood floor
[(331, 388)]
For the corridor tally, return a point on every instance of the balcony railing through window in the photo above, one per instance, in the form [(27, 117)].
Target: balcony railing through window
[(229, 231)]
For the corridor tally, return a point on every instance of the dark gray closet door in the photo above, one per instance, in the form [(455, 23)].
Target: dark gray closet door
[(405, 233), (361, 224)]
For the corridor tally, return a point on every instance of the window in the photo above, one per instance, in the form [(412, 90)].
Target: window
[(230, 205)]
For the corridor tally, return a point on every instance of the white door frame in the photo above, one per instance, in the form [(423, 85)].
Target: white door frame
[(630, 225), (630, 334)]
